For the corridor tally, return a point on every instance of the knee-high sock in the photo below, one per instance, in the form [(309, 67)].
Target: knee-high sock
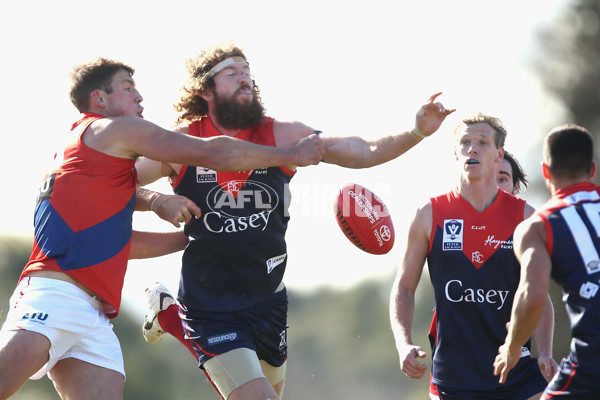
[(171, 323)]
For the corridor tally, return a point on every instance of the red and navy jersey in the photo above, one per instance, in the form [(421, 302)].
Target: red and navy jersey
[(83, 217), (237, 253), (572, 220), (474, 274)]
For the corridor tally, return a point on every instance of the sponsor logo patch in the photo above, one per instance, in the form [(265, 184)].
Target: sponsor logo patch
[(275, 261), (204, 175), (283, 341), (225, 337), (37, 317)]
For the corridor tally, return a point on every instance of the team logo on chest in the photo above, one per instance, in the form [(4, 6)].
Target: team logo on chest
[(453, 235), (239, 204), (477, 242)]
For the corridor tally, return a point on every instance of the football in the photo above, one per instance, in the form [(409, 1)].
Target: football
[(364, 219)]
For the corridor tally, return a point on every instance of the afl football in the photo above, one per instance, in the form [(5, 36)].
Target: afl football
[(364, 219)]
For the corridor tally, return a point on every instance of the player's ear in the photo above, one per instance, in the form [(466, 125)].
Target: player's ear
[(593, 169), (96, 98), (545, 170), (207, 95), (500, 154)]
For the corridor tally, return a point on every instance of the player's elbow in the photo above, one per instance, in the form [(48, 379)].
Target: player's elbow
[(220, 158), (533, 298)]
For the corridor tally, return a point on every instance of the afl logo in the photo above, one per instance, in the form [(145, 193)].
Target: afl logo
[(247, 197)]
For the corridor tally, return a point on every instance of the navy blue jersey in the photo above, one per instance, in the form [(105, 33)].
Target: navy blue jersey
[(237, 252), (572, 219), (474, 274)]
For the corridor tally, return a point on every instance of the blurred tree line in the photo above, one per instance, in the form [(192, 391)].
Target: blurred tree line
[(340, 346), (566, 58), (340, 343)]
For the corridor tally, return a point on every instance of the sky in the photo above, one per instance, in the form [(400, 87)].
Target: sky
[(343, 67)]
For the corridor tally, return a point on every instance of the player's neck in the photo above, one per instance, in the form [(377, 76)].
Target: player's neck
[(480, 194)]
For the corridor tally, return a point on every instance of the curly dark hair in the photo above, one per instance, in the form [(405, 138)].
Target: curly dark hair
[(95, 74), (519, 177), (191, 105)]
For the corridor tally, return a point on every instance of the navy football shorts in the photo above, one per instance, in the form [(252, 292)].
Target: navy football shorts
[(533, 382), (572, 382), (262, 328)]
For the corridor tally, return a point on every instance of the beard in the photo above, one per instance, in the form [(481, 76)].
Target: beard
[(231, 114)]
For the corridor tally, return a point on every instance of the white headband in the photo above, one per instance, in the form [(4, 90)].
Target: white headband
[(226, 62)]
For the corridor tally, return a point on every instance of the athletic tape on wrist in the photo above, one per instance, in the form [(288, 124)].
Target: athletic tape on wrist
[(417, 132)]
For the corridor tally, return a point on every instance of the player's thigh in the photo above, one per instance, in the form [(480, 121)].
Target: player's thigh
[(22, 353), (238, 372), (258, 388), (77, 379)]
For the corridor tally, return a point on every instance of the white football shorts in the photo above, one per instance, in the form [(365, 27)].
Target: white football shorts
[(73, 321)]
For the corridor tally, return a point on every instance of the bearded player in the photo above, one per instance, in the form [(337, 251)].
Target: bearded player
[(232, 301)]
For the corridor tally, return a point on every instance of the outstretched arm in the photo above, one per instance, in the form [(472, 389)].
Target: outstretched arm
[(155, 244), (131, 137), (355, 152), (531, 296), (402, 298)]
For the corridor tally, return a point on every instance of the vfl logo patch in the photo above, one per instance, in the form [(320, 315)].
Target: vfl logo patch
[(204, 175), (225, 337), (453, 235)]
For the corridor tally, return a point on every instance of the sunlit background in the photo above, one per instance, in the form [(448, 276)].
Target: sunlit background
[(342, 67)]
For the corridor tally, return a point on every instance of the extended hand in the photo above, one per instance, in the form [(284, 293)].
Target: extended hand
[(309, 151), (548, 367), (430, 116)]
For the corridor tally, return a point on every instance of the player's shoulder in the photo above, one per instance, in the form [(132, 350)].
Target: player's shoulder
[(288, 133), (532, 225), (182, 128), (291, 127), (120, 125), (423, 216)]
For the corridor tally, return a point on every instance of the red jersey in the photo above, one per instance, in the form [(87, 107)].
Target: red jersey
[(83, 218)]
